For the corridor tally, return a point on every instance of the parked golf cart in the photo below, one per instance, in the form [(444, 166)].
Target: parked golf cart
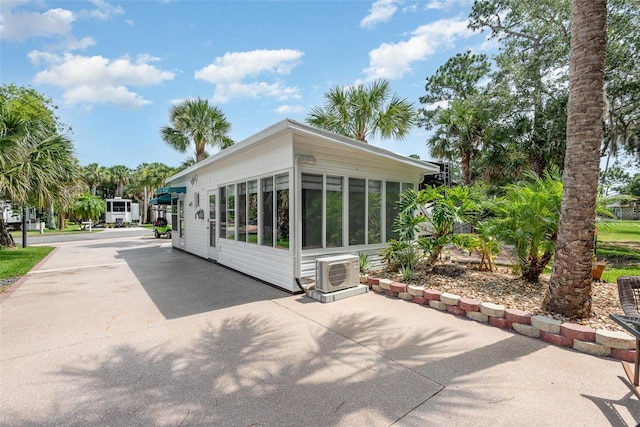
[(161, 228)]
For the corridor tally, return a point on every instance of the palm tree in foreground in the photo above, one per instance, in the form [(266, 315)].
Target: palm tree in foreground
[(569, 290), (36, 166), (361, 112), (196, 122)]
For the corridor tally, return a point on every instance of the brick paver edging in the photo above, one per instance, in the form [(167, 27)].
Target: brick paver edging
[(600, 342)]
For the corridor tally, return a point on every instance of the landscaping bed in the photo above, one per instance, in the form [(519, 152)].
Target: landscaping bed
[(504, 288)]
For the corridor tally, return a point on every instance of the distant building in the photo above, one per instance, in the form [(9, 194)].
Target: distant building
[(12, 217), (630, 211)]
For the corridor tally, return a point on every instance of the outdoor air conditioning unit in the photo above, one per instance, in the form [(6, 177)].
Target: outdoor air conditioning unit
[(337, 272)]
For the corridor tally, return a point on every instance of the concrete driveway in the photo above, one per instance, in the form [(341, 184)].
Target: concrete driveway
[(128, 332)]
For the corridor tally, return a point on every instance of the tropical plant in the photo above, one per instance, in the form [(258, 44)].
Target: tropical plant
[(459, 133), (534, 42), (94, 175), (146, 178), (527, 217), (569, 291), (363, 112), (29, 105), (406, 273), (36, 165), (119, 176), (439, 212), (483, 243), (401, 253), (195, 122), (455, 109), (88, 207), (365, 263), (622, 73)]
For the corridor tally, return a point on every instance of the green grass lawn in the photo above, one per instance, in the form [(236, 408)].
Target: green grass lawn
[(18, 262), (619, 244), (619, 231)]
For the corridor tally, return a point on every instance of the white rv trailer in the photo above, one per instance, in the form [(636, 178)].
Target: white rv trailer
[(12, 216), (121, 212)]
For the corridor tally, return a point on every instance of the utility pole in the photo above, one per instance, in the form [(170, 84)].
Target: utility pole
[(25, 213)]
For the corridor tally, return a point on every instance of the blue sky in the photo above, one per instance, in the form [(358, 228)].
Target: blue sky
[(115, 68)]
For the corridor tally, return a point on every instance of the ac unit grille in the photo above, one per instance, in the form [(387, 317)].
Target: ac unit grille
[(337, 272)]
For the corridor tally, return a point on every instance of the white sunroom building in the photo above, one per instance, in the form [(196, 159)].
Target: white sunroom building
[(270, 205)]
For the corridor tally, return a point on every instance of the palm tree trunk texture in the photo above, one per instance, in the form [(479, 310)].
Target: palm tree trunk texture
[(145, 205), (6, 240), (569, 291), (466, 168), (51, 223)]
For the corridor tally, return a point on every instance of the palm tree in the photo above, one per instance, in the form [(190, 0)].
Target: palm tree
[(190, 161), (459, 134), (361, 112), (569, 290), (145, 179), (94, 175), (527, 216), (36, 165), (120, 176), (198, 123)]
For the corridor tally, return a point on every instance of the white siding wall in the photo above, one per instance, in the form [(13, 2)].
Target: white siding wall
[(265, 159), (272, 265), (342, 161)]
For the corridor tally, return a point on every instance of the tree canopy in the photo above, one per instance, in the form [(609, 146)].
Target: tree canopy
[(365, 111), (196, 123)]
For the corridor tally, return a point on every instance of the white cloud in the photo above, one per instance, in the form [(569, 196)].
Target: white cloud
[(20, 26), (290, 109), (228, 91), (95, 79), (103, 11), (394, 60), (381, 11), (82, 44), (446, 4), (229, 72)]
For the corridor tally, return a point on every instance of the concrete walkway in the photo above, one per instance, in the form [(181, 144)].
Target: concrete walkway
[(128, 332)]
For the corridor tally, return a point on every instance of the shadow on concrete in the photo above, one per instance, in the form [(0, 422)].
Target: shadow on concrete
[(239, 372), (609, 407), (248, 371), (180, 284)]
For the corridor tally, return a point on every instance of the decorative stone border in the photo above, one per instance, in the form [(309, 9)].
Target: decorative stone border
[(600, 342)]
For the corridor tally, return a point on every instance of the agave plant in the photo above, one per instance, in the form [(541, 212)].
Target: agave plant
[(365, 263), (406, 273)]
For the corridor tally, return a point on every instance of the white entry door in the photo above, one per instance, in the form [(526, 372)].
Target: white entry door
[(212, 227)]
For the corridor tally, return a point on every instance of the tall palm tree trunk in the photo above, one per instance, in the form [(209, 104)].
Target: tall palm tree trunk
[(145, 205), (570, 286), (6, 240), (466, 168)]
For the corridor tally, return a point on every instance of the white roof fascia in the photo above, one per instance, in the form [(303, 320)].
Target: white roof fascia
[(301, 128), (363, 146)]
